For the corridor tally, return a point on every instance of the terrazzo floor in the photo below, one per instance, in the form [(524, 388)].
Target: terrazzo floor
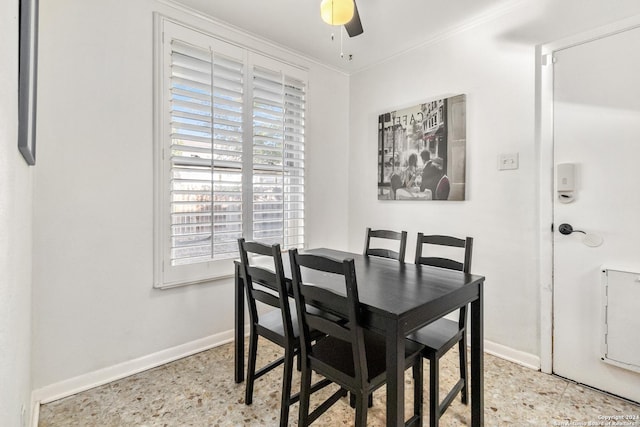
[(200, 391)]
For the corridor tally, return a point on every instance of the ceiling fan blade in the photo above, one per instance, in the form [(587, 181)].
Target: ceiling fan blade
[(354, 27)]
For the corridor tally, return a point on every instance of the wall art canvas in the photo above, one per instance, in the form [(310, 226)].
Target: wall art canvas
[(422, 151)]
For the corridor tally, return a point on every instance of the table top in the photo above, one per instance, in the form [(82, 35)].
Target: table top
[(397, 291)]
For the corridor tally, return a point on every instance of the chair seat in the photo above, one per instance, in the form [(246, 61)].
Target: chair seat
[(438, 336), (272, 320), (338, 353)]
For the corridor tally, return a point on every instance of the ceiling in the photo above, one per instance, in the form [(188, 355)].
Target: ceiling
[(390, 26)]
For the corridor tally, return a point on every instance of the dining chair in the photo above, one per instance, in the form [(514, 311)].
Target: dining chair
[(386, 253), (265, 282), (349, 355), (443, 334)]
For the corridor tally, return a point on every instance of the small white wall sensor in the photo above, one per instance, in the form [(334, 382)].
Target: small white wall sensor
[(565, 185)]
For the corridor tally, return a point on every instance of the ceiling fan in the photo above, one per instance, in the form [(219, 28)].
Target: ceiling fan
[(354, 27), (342, 12)]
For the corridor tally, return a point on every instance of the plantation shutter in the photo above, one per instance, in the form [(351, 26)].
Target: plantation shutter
[(278, 158), (294, 104), (206, 115), (229, 160)]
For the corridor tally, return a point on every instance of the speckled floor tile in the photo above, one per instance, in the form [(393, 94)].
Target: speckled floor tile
[(200, 391)]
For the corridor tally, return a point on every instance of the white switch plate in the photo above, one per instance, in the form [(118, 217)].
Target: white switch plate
[(508, 161)]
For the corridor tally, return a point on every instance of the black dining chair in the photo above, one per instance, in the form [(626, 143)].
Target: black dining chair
[(349, 355), (443, 334), (401, 236), (265, 282)]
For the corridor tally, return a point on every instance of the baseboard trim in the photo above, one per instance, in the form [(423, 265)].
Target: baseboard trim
[(527, 360), (103, 376), (34, 419), (121, 370)]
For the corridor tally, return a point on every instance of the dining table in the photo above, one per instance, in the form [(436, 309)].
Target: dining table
[(396, 299)]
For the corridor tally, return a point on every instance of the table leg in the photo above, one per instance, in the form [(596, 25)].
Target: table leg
[(477, 361), (239, 325), (395, 375)]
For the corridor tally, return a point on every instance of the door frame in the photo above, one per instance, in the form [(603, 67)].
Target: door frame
[(544, 140)]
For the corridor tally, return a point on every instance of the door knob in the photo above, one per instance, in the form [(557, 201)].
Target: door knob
[(567, 229), (592, 240)]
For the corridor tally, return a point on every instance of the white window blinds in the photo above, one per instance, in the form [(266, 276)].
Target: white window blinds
[(206, 154), (230, 154), (278, 158)]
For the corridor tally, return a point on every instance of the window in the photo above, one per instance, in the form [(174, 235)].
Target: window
[(229, 153)]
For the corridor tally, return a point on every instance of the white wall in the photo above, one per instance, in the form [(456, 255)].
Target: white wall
[(15, 236), (493, 62), (499, 208), (94, 305)]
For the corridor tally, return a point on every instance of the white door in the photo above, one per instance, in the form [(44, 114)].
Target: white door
[(596, 125)]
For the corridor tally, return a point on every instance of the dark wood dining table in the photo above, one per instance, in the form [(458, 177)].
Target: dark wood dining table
[(396, 299)]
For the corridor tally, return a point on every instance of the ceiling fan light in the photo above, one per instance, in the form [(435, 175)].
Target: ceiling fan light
[(336, 12)]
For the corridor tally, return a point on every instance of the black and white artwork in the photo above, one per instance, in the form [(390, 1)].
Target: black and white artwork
[(422, 151)]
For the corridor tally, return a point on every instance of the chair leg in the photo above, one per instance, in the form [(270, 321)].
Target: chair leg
[(463, 368), (251, 367), (285, 399), (305, 391), (352, 400), (434, 387), (361, 410), (418, 392)]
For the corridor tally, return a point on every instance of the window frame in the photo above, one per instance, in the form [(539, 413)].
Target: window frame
[(165, 29)]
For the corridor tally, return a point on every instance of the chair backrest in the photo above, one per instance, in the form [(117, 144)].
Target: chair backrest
[(443, 188), (386, 253), (265, 281), (437, 240), (465, 244), (342, 321)]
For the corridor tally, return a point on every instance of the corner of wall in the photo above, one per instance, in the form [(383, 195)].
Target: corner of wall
[(15, 239)]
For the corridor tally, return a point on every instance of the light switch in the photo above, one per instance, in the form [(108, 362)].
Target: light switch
[(508, 161)]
